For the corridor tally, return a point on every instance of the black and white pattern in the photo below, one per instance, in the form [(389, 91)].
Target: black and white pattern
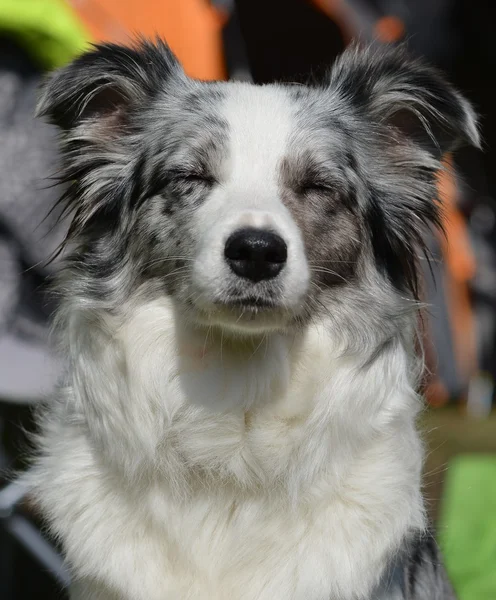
[(239, 309)]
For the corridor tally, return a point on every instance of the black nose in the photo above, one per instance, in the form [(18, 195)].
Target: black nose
[(255, 254)]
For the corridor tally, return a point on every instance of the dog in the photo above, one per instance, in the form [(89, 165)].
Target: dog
[(239, 312)]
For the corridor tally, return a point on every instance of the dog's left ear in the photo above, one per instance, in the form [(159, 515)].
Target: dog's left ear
[(412, 99)]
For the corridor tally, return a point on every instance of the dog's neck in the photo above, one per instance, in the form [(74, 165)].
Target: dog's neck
[(222, 372), (260, 412)]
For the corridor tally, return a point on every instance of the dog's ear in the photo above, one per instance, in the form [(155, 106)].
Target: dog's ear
[(413, 117), (412, 99), (105, 84), (94, 101)]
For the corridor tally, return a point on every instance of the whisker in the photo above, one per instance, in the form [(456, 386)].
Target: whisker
[(330, 272), (221, 343), (206, 340), (258, 346), (157, 261), (241, 315), (344, 262)]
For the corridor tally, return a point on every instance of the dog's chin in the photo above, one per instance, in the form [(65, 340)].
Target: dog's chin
[(245, 316)]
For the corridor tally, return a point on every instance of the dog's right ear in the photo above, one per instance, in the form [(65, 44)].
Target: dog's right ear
[(106, 84)]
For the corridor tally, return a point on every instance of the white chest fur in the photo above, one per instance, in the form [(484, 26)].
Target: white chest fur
[(180, 465)]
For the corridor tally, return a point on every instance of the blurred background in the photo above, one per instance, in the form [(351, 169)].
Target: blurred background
[(260, 41)]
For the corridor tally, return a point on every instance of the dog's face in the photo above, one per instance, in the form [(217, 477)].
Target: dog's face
[(253, 207)]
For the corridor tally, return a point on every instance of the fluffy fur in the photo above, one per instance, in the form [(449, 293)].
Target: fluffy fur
[(222, 438)]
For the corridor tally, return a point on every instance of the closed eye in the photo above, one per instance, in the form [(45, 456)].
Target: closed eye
[(186, 176), (322, 187)]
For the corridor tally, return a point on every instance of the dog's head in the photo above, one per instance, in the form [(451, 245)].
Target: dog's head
[(253, 207)]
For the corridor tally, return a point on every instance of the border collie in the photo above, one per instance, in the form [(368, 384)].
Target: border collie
[(239, 311)]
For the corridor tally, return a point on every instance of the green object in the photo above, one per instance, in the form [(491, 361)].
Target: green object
[(467, 529), (47, 29)]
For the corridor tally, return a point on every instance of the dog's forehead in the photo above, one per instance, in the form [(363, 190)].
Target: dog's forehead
[(243, 130), (260, 121), (261, 125)]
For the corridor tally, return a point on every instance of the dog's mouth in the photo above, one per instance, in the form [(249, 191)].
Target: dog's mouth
[(246, 313), (250, 303)]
